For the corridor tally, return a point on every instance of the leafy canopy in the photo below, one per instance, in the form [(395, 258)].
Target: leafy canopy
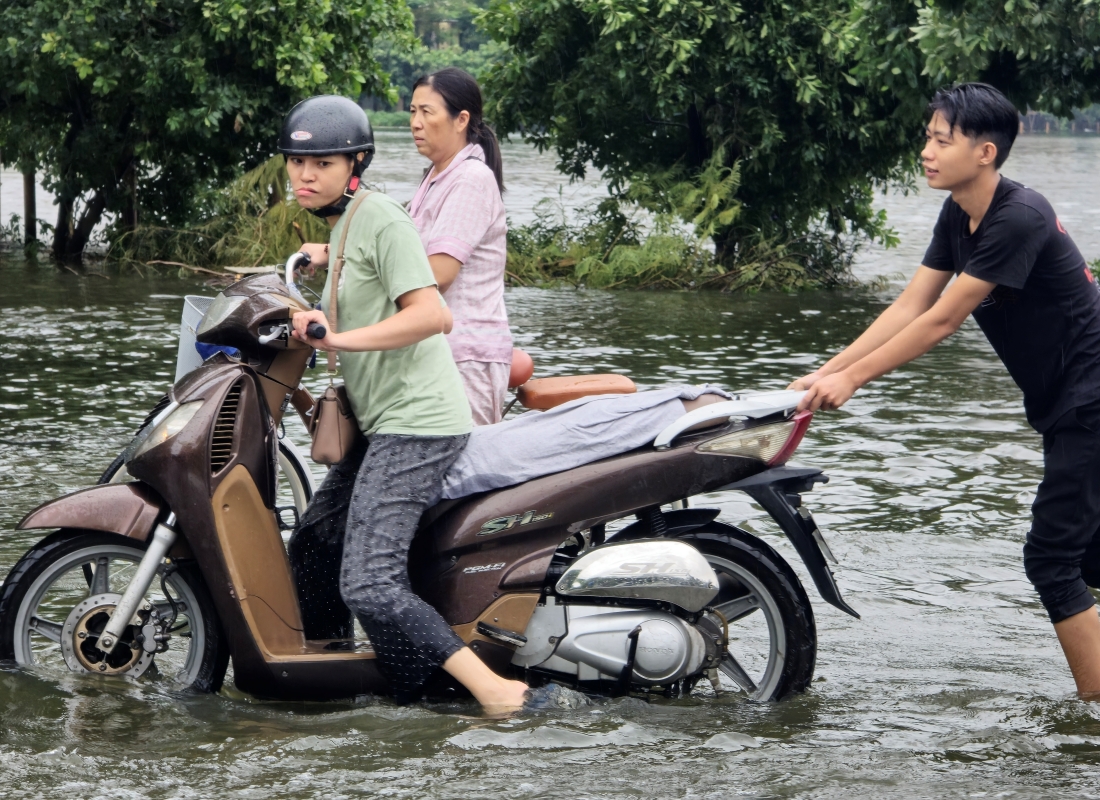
[(1041, 53), (169, 95), (816, 101), (637, 85)]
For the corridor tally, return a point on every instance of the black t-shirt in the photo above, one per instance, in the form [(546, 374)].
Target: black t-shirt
[(1043, 317)]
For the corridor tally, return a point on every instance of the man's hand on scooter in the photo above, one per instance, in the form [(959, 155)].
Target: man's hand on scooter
[(828, 393), (805, 382), (303, 319), (318, 257)]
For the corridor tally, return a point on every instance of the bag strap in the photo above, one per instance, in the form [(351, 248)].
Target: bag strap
[(334, 278)]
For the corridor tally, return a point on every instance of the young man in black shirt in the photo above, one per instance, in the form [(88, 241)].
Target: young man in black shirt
[(1031, 292)]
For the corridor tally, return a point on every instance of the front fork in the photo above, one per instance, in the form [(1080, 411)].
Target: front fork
[(164, 536)]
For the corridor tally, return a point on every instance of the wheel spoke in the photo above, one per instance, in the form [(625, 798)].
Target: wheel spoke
[(101, 577), (51, 630), (732, 670), (734, 610)]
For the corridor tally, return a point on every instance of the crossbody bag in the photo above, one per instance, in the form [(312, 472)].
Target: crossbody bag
[(332, 426)]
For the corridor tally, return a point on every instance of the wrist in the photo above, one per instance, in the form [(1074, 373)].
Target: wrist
[(854, 376), (337, 342)]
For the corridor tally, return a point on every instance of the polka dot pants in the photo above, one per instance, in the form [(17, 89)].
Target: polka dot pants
[(350, 551)]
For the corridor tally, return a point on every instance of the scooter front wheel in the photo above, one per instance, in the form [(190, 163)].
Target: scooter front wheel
[(772, 636), (59, 596)]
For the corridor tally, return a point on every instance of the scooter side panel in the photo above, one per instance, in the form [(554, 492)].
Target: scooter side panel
[(129, 509), (257, 562), (574, 499), (460, 559)]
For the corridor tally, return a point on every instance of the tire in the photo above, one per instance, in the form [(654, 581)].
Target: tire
[(772, 634), (295, 481), (40, 594)]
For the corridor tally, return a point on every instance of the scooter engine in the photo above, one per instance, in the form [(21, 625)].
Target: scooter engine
[(593, 643)]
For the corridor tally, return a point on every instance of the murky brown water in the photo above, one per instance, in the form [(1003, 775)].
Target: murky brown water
[(952, 684)]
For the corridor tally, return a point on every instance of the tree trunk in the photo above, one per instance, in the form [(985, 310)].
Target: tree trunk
[(697, 140), (82, 231), (128, 215), (30, 207), (725, 247), (63, 231), (70, 236)]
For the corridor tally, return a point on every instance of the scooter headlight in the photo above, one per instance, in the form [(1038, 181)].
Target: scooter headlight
[(219, 310), (763, 443), (167, 424)]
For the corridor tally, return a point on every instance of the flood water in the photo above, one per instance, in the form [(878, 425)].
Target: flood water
[(951, 685)]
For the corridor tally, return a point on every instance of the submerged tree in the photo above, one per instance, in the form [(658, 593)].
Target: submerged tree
[(634, 86), (817, 101), (127, 103)]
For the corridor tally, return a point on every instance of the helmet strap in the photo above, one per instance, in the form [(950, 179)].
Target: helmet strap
[(338, 208)]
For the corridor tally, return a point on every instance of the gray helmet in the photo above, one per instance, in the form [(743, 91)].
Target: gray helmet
[(326, 125)]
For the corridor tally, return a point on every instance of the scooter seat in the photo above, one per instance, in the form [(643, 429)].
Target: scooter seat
[(542, 394)]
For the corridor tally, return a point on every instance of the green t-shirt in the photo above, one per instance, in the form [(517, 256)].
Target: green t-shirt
[(415, 390)]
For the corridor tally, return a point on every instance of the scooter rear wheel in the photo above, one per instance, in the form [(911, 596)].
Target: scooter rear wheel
[(772, 636), (60, 594)]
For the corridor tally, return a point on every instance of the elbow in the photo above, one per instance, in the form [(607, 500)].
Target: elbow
[(441, 321), (945, 327)]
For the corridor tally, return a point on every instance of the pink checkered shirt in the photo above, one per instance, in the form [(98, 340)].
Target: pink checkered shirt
[(459, 212)]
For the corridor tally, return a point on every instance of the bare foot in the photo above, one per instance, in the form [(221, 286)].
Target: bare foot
[(497, 695), (506, 699)]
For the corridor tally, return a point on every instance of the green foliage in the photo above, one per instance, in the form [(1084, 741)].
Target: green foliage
[(389, 119), (405, 65), (448, 23), (656, 234), (250, 223), (774, 86), (819, 102), (447, 36), (1041, 53), (169, 97)]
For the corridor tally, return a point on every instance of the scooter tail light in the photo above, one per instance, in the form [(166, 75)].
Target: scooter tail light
[(773, 444), (801, 422)]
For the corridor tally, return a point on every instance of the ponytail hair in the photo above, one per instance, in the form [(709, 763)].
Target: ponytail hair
[(460, 92)]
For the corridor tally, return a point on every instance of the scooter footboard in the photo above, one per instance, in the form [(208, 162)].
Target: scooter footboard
[(129, 509)]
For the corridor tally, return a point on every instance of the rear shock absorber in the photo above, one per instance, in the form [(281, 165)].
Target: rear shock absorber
[(655, 520)]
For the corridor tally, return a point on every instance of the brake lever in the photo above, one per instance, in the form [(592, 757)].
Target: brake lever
[(278, 332)]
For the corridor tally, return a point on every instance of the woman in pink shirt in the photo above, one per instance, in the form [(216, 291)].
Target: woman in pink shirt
[(459, 213)]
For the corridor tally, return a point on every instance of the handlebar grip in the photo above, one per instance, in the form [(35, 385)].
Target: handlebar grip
[(316, 330)]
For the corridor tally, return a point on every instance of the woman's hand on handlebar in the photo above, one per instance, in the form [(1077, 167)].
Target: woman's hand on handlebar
[(303, 319), (318, 255)]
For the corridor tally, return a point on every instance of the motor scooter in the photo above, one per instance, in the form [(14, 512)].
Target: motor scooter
[(601, 577)]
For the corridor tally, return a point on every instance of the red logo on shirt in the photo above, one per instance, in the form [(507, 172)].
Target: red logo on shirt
[(1088, 275), (1058, 222)]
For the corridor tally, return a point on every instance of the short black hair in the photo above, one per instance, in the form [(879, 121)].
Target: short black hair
[(980, 112)]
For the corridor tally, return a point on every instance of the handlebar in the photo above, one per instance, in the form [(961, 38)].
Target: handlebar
[(315, 330), (292, 264)]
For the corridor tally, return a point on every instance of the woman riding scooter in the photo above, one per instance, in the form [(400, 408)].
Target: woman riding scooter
[(410, 405), (459, 212)]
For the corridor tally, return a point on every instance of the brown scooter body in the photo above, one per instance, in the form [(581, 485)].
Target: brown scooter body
[(482, 561)]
